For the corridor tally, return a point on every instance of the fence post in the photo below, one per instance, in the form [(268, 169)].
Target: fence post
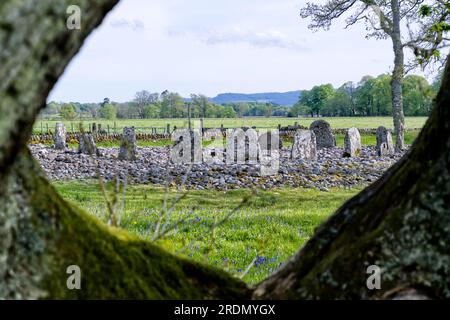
[(168, 128), (108, 129), (115, 128), (47, 127)]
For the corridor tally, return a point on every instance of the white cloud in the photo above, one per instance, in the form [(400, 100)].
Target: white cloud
[(135, 24), (260, 39), (204, 46)]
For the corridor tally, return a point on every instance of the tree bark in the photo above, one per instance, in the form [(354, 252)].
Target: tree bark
[(397, 77), (401, 223)]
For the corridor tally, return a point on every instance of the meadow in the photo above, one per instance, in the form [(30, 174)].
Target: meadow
[(210, 226), (251, 242), (144, 125)]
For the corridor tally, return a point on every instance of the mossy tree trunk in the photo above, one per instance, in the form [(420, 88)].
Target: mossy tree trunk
[(401, 223)]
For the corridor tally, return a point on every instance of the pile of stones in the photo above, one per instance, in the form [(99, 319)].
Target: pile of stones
[(313, 161)]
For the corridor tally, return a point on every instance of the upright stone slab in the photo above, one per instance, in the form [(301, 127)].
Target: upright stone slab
[(60, 136), (352, 143), (324, 135), (86, 144), (270, 140), (242, 146), (187, 148), (128, 146), (385, 146), (304, 146)]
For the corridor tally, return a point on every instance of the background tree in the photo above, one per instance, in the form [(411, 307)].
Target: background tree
[(152, 111), (338, 105), (418, 96), (142, 99), (316, 98), (384, 20), (200, 102), (172, 105), (68, 111), (429, 31), (108, 111)]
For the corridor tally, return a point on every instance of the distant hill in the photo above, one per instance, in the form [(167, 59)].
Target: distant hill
[(282, 99)]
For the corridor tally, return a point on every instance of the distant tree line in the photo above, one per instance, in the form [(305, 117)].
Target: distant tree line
[(148, 105), (370, 97)]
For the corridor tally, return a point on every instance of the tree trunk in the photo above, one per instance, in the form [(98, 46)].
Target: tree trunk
[(397, 77), (401, 223)]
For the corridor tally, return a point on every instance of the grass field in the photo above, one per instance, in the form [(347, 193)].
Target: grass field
[(259, 122), (269, 228), (250, 243)]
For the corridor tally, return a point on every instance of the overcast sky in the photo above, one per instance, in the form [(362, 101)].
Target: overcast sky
[(211, 47)]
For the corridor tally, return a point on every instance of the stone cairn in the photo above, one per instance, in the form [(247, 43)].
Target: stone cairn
[(352, 143), (385, 147), (60, 136), (304, 146), (128, 146), (324, 134), (86, 144)]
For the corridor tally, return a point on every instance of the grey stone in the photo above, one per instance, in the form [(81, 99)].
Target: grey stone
[(86, 145), (270, 140), (304, 146), (385, 147), (352, 143), (128, 146), (242, 146), (324, 135), (60, 136), (187, 148)]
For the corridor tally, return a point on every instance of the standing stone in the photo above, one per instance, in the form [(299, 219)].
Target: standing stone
[(60, 136), (352, 143), (385, 146), (270, 140), (324, 135), (86, 144), (304, 146), (128, 146), (242, 146)]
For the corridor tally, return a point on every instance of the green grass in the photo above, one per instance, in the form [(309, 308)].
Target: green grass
[(144, 125), (272, 225)]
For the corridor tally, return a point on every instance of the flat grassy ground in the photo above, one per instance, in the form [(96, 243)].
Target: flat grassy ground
[(259, 122), (271, 227)]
